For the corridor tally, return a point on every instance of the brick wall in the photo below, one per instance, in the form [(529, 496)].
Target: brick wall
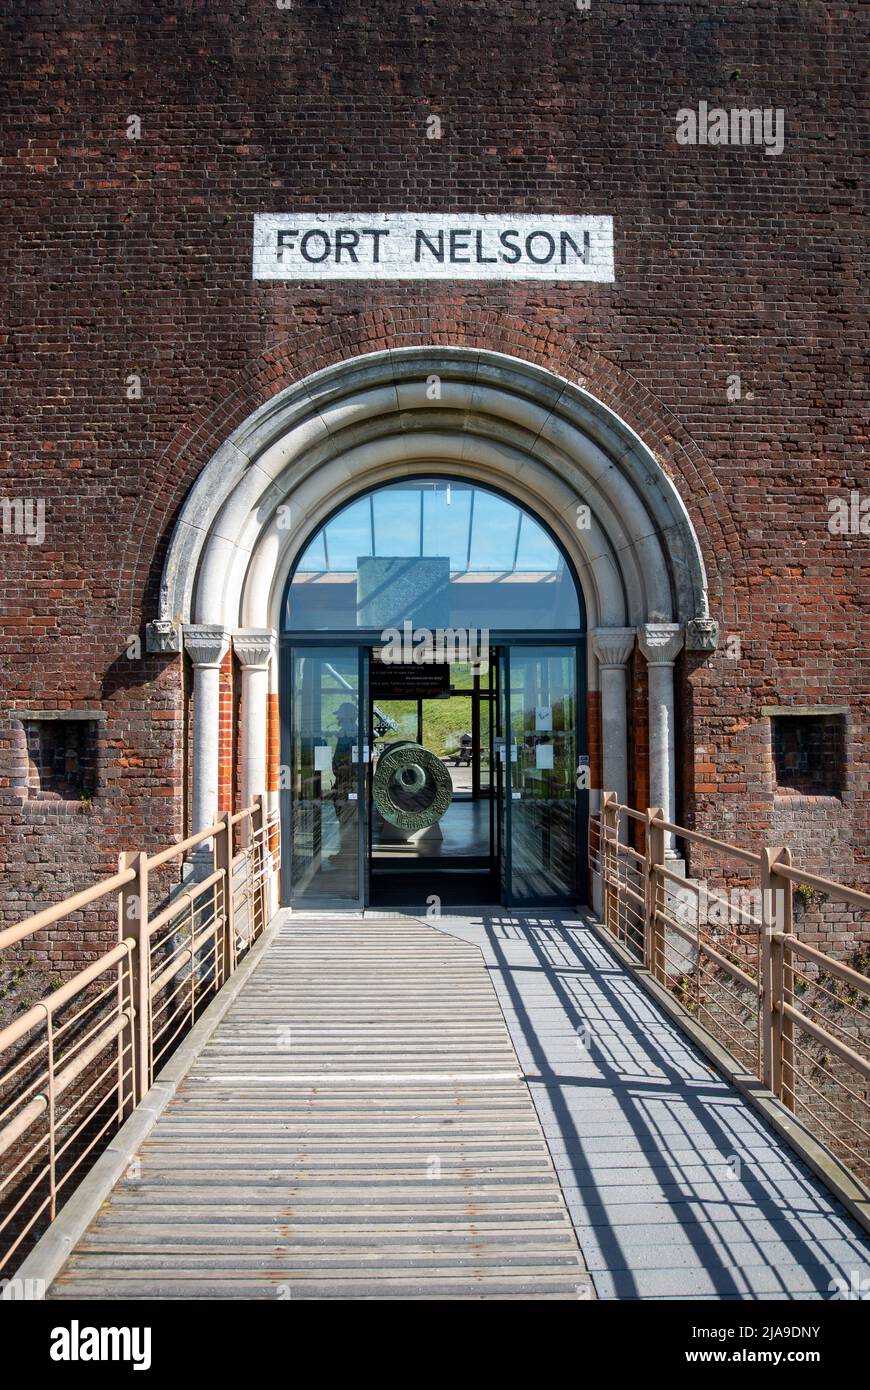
[(273, 745), (132, 258), (594, 740)]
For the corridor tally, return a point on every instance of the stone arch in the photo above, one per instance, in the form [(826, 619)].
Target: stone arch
[(486, 417), (473, 413)]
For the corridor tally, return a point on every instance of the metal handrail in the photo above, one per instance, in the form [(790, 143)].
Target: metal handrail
[(749, 987), (182, 847), (49, 915), (695, 837), (721, 961), (50, 1005), (833, 967), (168, 913), (848, 1054), (55, 1092), (824, 885)]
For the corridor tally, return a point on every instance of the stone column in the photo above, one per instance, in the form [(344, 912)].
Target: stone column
[(613, 647), (660, 643), (206, 645), (254, 647)]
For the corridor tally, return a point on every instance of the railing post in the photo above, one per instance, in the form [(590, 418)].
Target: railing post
[(610, 861), (785, 989), (770, 977), (654, 937), (776, 920), (133, 921), (258, 860), (223, 861)]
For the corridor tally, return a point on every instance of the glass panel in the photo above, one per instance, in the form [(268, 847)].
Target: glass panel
[(485, 739), (446, 515), (397, 521), (347, 536), (325, 775), (314, 559), (494, 533), (443, 727), (394, 721), (447, 733), (542, 815), (536, 552), (436, 553), (500, 769), (462, 675)]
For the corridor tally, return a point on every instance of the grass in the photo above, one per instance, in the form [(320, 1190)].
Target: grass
[(443, 722)]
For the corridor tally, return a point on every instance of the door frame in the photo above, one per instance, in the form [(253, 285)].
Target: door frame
[(500, 642), (476, 702), (580, 887), (286, 715)]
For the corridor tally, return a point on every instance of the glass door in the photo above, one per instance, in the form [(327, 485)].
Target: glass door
[(324, 766), (430, 807), (541, 756), (502, 781)]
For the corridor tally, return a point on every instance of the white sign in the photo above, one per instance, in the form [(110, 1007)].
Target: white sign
[(431, 246), (543, 718), (322, 757)]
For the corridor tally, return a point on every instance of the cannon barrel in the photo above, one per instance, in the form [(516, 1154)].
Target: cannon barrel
[(412, 788)]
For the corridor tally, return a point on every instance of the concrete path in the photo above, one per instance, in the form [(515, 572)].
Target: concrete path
[(357, 1126), (676, 1186)]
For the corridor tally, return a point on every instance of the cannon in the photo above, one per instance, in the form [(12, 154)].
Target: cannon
[(411, 787)]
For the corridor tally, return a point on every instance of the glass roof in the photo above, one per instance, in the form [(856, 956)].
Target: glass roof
[(480, 558)]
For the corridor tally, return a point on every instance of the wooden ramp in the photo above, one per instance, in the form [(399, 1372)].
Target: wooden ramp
[(356, 1127)]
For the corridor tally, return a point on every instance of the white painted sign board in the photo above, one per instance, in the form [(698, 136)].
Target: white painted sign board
[(431, 246), (543, 718), (322, 757)]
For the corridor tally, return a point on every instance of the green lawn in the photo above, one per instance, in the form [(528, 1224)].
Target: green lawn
[(443, 722)]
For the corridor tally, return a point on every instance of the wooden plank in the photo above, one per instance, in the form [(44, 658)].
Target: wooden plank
[(357, 1127)]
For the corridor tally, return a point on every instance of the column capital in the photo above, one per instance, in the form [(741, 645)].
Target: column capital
[(660, 642), (206, 643), (254, 646), (613, 645)]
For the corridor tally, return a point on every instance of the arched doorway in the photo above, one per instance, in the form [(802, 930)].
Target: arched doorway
[(433, 713), (476, 417)]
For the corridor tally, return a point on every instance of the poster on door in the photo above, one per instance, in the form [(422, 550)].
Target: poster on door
[(543, 719)]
